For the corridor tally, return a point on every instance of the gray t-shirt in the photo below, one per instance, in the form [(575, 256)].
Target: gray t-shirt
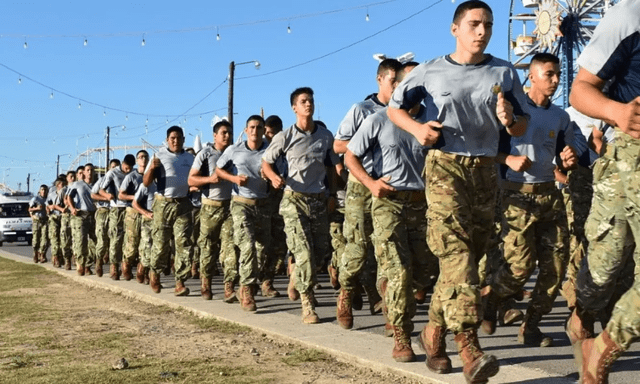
[(130, 184), (111, 184), (399, 157), (238, 159), (354, 118), (307, 155), (205, 162), (54, 198), (144, 196), (173, 174), (80, 193), (464, 97), (35, 201), (95, 190)]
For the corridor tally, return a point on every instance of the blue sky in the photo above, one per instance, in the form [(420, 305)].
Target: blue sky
[(118, 82)]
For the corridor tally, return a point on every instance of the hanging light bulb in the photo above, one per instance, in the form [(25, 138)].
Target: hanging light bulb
[(147, 121), (167, 122), (19, 80), (143, 43), (51, 95), (104, 112), (25, 45), (85, 42), (200, 118), (256, 64), (366, 18), (217, 34), (126, 117), (288, 28), (79, 105)]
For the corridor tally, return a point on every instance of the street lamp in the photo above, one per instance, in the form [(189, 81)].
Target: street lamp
[(232, 68)]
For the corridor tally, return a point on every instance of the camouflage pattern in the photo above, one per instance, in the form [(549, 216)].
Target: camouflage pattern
[(195, 234), (83, 233), (65, 235), (306, 223), (116, 234), (210, 240), (229, 253), (54, 235), (102, 231), (358, 230), (612, 228), (277, 249), (39, 234), (132, 224), (172, 220), (338, 241), (535, 235), (461, 195), (494, 257), (144, 250), (400, 228), (251, 234)]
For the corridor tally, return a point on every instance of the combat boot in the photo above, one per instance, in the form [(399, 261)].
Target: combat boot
[(594, 358), (333, 277), (420, 295), (375, 301), (268, 290), (309, 315), (87, 270), (154, 282), (507, 314), (99, 271), (181, 290), (194, 270), (126, 271), (43, 257), (80, 269), (114, 271), (36, 257), (67, 264), (344, 314), (579, 326), (356, 298), (245, 296), (205, 288), (292, 292), (229, 292), (530, 334), (477, 367), (140, 273), (54, 261), (402, 351), (432, 341), (490, 302)]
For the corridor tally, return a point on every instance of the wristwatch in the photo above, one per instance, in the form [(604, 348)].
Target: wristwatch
[(513, 121)]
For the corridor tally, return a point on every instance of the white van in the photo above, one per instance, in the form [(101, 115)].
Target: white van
[(15, 221)]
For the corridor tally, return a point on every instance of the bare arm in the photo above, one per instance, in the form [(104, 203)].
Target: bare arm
[(276, 181), (596, 141), (146, 213), (125, 196), (378, 188), (426, 133), (340, 146), (516, 163), (235, 179), (150, 174), (197, 180)]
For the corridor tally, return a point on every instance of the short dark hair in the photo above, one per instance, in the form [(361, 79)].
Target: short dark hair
[(300, 91), (410, 64), (80, 168), (89, 165), (221, 123), (544, 57), (60, 179), (387, 64), (130, 160), (71, 173), (175, 128), (274, 122), (114, 161), (142, 151), (256, 118), (467, 6), (46, 187)]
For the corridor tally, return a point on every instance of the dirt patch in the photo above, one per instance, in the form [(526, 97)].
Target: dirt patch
[(56, 331)]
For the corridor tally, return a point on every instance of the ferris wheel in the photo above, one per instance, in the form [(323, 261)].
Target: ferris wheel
[(561, 27)]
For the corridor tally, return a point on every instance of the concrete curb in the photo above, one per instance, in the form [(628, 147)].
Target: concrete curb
[(360, 348)]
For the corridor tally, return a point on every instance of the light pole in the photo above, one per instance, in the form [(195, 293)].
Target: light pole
[(106, 164), (232, 68)]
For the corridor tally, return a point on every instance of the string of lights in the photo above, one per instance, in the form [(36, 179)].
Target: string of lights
[(217, 28)]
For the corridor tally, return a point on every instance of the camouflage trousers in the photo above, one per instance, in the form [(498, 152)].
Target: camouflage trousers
[(494, 256), (132, 223), (338, 242), (216, 239), (195, 219), (251, 234), (577, 199), (65, 235), (358, 230), (116, 234), (306, 223), (54, 235), (400, 229), (614, 219), (172, 220), (146, 240), (461, 194), (39, 238), (277, 249), (102, 231), (535, 232), (83, 232)]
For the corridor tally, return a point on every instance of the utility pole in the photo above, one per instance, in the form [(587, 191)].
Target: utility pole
[(232, 68), (58, 166), (106, 164), (28, 181)]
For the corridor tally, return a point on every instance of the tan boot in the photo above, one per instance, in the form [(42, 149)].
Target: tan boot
[(268, 290), (87, 270), (194, 270), (579, 326), (490, 302), (140, 273), (508, 315), (154, 282), (36, 257), (43, 257), (205, 288), (292, 292), (402, 351), (344, 313), (594, 358), (80, 269), (229, 292), (333, 276), (309, 315), (420, 295), (530, 334), (375, 301), (477, 367), (245, 296), (99, 270), (181, 290), (114, 271), (432, 341), (67, 264), (126, 271)]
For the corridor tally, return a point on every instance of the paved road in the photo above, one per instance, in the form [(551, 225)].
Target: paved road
[(519, 364)]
